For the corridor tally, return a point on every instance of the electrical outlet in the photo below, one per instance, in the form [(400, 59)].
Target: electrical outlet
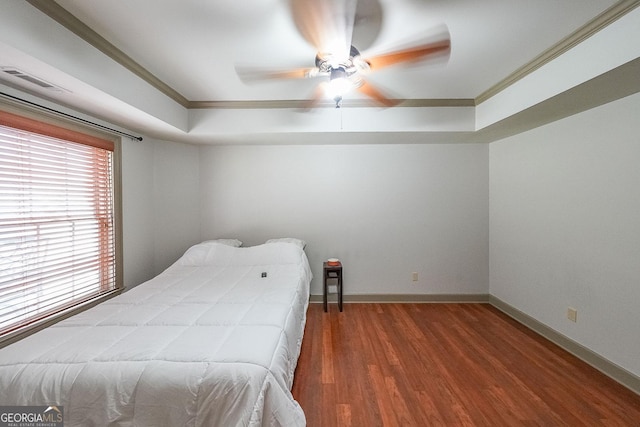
[(572, 314), (414, 276)]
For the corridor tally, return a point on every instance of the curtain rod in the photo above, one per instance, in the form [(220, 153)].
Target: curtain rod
[(97, 125)]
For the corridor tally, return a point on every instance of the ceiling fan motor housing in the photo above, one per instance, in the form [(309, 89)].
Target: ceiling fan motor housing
[(327, 63)]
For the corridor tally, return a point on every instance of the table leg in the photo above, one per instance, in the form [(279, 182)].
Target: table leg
[(340, 290), (325, 290)]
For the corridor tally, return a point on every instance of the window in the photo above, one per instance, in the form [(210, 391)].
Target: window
[(57, 220)]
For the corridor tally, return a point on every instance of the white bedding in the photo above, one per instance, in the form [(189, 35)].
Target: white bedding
[(209, 342)]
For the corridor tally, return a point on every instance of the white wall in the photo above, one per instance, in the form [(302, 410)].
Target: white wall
[(176, 201), (161, 216), (137, 207), (384, 210), (565, 227)]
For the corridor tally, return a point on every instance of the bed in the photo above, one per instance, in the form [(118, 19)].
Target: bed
[(212, 341)]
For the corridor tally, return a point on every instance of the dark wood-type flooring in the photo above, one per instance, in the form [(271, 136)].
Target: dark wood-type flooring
[(446, 364)]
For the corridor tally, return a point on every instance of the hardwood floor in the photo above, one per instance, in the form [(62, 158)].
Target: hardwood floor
[(446, 364)]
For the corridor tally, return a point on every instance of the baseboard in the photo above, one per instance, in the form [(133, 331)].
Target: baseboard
[(406, 298), (619, 374)]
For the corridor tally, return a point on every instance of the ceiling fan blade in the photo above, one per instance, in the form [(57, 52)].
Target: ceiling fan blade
[(251, 75), (374, 93), (326, 24), (367, 23), (412, 54)]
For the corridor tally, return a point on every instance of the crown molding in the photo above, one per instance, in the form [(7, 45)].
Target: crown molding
[(73, 24), (303, 104), (607, 17)]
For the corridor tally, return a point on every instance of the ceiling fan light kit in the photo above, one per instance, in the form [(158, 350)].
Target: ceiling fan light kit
[(344, 75)]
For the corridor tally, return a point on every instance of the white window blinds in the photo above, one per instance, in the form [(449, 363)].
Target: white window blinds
[(57, 245)]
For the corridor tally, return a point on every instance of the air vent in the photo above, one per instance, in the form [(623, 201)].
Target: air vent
[(31, 79)]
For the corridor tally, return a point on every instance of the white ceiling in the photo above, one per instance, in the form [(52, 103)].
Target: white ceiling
[(193, 47)]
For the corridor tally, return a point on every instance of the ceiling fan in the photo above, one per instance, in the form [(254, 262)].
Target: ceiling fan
[(335, 28)]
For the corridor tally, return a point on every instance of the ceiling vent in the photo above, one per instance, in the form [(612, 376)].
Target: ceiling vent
[(31, 79)]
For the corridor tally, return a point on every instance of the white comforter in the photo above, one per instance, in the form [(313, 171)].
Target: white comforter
[(209, 342)]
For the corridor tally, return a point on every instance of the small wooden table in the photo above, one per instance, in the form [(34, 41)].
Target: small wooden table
[(332, 272)]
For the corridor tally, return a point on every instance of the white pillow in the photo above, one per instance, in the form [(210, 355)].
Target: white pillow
[(229, 242), (208, 253), (300, 243)]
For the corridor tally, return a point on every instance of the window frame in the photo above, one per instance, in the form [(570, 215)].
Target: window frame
[(33, 120)]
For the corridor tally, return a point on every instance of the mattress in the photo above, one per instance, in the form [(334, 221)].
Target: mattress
[(212, 341)]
